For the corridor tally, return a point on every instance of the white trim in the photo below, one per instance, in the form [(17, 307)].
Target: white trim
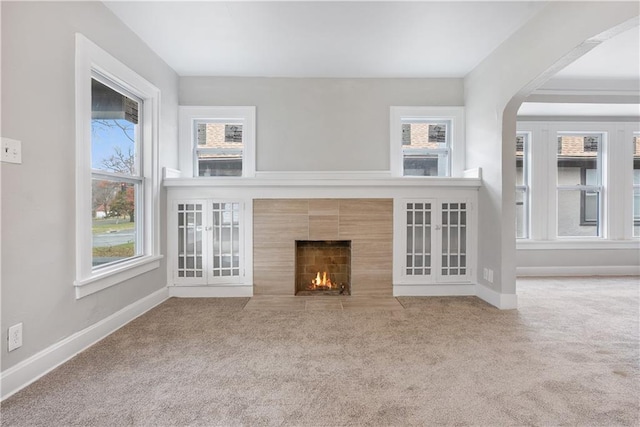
[(616, 167), (91, 58), (496, 299), (588, 270), (433, 290), (576, 244), (300, 179), (186, 149), (111, 277), (210, 291), (26, 372), (322, 175)]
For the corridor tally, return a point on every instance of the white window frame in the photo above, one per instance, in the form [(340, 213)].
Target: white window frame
[(598, 188), (524, 188), (456, 148), (188, 115), (90, 60), (616, 175)]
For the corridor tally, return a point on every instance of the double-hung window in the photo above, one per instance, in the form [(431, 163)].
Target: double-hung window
[(217, 141), (579, 178), (116, 176), (636, 184), (426, 141), (522, 184)]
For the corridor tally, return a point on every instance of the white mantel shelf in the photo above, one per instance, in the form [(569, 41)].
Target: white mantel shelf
[(322, 183)]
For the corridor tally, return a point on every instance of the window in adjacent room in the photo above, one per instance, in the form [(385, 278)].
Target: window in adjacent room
[(522, 184), (579, 178), (424, 141)]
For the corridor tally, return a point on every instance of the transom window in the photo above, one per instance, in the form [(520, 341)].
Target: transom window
[(217, 141), (427, 141)]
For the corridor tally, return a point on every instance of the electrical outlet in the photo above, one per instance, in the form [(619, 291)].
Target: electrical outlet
[(490, 276), (11, 151), (485, 273), (15, 337)]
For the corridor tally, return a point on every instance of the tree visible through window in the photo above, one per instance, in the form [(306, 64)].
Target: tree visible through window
[(116, 178)]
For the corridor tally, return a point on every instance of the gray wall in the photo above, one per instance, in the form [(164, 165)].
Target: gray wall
[(321, 124), (38, 209)]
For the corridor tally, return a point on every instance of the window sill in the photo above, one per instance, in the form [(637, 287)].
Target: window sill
[(117, 274), (576, 244)]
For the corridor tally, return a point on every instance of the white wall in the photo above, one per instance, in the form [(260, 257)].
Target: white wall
[(321, 124), (38, 241), (493, 93)]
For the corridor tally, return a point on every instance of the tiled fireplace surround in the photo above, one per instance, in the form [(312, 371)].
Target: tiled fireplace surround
[(367, 223)]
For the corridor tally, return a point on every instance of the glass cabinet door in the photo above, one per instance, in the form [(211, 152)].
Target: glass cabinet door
[(190, 228), (226, 239), (418, 251), (454, 239)]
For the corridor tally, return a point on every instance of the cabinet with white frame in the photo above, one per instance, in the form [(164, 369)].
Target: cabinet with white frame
[(207, 243), (434, 241)]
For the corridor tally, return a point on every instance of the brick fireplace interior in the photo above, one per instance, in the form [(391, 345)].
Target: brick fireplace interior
[(323, 267), (366, 223)]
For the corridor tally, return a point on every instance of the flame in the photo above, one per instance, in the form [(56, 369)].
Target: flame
[(322, 282)]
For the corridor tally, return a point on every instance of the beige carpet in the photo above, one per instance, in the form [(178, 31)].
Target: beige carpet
[(568, 356)]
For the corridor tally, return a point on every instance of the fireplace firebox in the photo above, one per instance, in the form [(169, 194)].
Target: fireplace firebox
[(323, 267)]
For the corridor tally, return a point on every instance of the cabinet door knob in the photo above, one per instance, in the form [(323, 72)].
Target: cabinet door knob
[(438, 227), (208, 228)]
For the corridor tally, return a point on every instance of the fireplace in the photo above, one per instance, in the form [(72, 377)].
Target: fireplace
[(323, 267)]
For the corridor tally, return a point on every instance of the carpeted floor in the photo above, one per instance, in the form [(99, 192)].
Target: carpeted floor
[(568, 356)]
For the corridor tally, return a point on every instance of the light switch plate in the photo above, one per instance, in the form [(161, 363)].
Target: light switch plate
[(11, 150)]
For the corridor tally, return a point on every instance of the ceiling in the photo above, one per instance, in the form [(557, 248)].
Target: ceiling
[(324, 39)]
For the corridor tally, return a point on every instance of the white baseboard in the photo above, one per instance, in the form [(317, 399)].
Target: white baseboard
[(501, 301), (210, 291), (613, 270), (26, 372), (496, 299), (433, 290)]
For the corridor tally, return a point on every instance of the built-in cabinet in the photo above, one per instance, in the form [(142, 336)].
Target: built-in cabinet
[(433, 241), (208, 236), (210, 243)]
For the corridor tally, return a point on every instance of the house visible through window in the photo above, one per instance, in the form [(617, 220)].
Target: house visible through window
[(579, 178), (425, 147), (220, 140), (220, 148), (423, 140)]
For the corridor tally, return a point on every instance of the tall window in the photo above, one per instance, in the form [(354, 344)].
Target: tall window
[(220, 141), (579, 177), (116, 179), (427, 141), (522, 185), (636, 185), (117, 209)]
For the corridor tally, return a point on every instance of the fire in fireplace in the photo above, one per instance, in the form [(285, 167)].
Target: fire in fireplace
[(323, 267)]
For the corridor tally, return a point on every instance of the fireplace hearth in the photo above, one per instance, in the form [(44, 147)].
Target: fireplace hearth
[(323, 267)]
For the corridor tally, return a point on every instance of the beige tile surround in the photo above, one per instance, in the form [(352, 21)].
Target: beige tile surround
[(278, 223)]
